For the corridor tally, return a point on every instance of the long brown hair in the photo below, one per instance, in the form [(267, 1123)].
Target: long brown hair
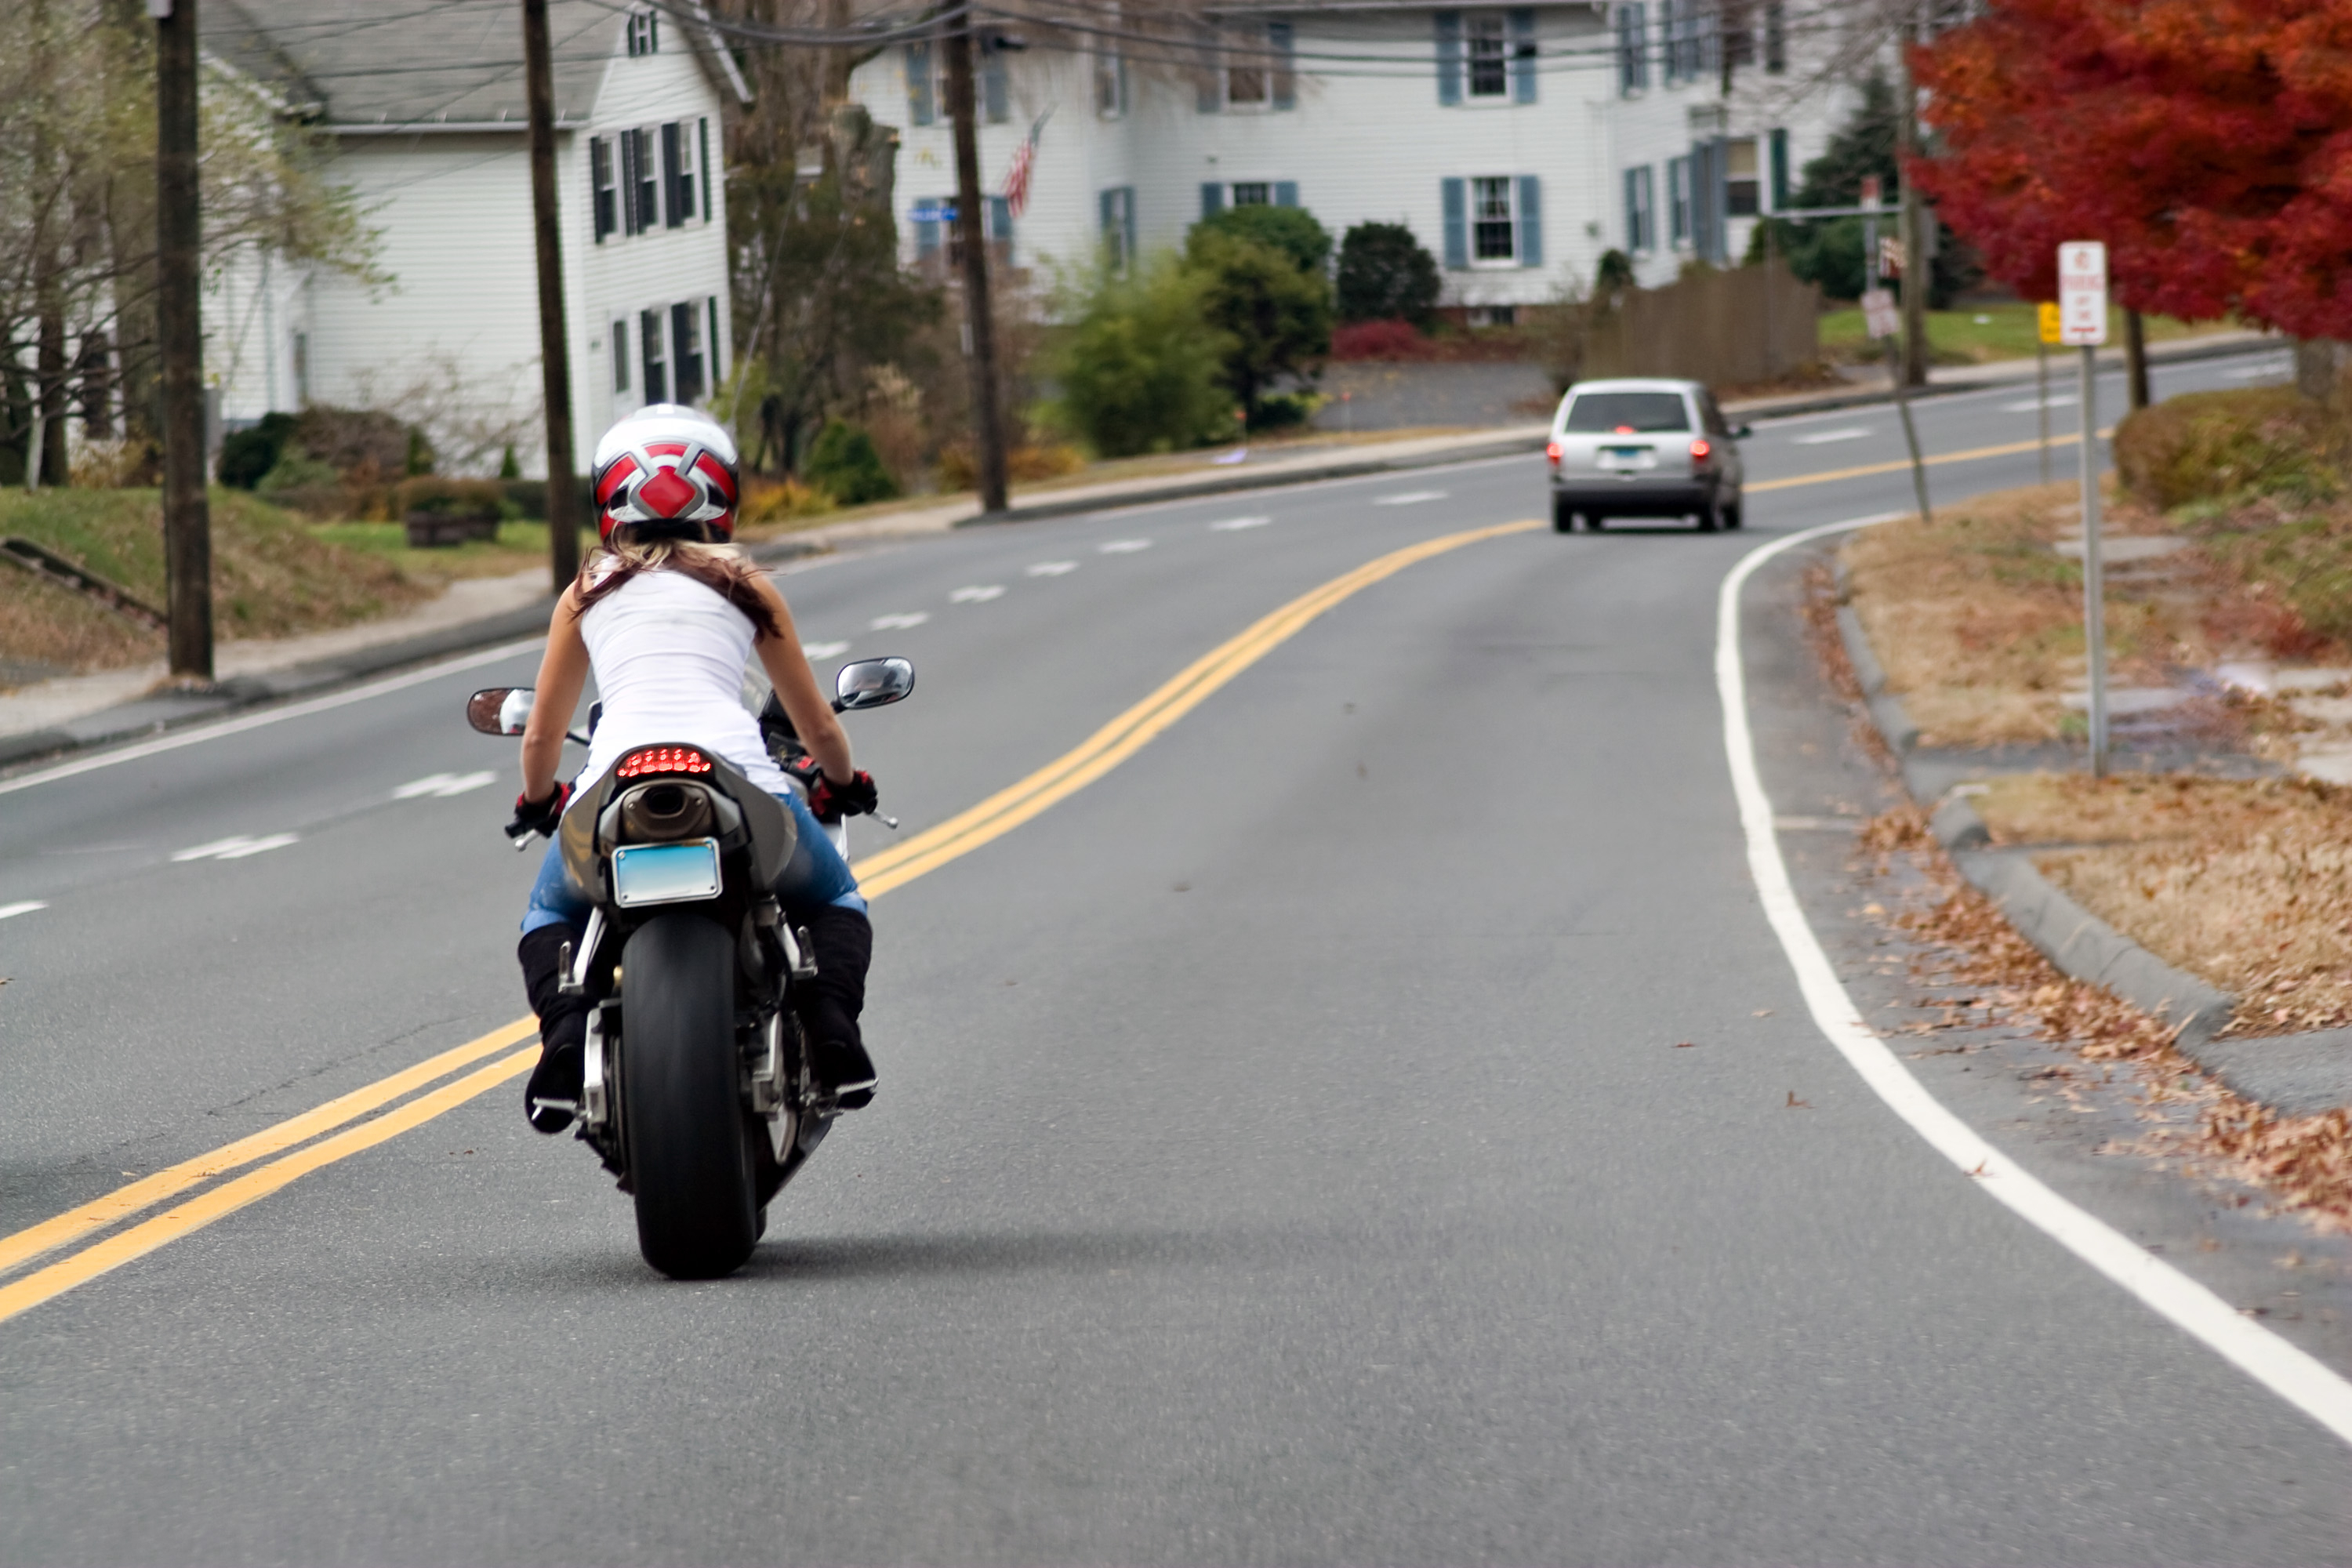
[(717, 567)]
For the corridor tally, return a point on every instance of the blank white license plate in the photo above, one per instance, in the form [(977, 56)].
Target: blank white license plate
[(665, 873)]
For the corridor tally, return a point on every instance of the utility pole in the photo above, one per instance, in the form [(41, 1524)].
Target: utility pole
[(980, 321), (554, 346), (187, 518), (1914, 371)]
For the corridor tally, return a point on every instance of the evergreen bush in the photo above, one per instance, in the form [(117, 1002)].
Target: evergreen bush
[(843, 463)]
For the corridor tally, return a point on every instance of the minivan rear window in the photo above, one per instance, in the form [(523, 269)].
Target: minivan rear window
[(1600, 413)]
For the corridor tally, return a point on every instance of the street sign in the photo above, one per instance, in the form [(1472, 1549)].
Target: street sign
[(2083, 294), (2046, 316), (1869, 190), (933, 212), (1879, 316)]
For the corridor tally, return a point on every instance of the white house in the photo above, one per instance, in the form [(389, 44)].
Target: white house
[(1519, 143), (426, 115)]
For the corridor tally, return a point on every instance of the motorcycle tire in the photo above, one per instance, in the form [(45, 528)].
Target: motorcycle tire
[(690, 1159)]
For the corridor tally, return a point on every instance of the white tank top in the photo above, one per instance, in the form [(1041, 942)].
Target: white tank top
[(669, 656)]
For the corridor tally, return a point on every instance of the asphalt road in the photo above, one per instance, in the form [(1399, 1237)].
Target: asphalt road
[(1279, 1157)]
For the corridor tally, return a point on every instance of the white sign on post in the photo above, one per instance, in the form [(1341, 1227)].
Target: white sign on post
[(1879, 315), (2083, 294)]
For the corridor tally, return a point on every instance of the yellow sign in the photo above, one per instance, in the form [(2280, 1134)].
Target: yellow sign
[(2049, 316)]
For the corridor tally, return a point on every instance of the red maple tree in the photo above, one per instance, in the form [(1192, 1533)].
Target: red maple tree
[(2208, 142)]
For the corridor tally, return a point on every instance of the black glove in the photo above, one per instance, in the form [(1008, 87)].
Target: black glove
[(539, 815), (831, 800)]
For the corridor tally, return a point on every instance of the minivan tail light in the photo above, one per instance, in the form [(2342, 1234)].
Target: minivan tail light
[(1701, 450), (1551, 453)]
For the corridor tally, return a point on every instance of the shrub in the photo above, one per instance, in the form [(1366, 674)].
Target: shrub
[(248, 455), (960, 469), (1138, 366), (479, 499), (1294, 231), (1276, 319), (1285, 410), (367, 446), (296, 469), (843, 463), (528, 498), (1385, 272), (1389, 340), (766, 502), (2208, 445)]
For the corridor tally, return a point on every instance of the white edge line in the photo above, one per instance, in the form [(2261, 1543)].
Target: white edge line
[(190, 737), (2302, 1380)]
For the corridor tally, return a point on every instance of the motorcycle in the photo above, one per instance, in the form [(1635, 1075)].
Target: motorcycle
[(697, 1090)]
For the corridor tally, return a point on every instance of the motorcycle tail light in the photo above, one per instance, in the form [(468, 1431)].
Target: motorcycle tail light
[(647, 761), (1701, 450)]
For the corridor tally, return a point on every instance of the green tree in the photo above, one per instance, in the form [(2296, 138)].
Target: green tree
[(1275, 315), (1387, 274), (1294, 231), (1139, 366), (843, 463)]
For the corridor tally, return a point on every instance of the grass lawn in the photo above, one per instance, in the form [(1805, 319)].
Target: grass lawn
[(518, 547), (1986, 332)]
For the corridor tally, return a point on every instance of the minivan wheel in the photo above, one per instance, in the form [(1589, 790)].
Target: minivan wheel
[(1736, 514), (1563, 516), (1710, 517)]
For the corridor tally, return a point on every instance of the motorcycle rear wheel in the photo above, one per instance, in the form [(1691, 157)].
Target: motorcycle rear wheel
[(689, 1160)]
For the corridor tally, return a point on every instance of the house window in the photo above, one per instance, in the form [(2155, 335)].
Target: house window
[(1632, 48), (648, 180), (1742, 189), (1641, 211), (1489, 52), (1737, 22), (1253, 194), (1494, 227), (1111, 81), (1678, 200), (620, 356), (1776, 36), (922, 86), (1684, 35), (1216, 197), (1246, 85), (1256, 71), (645, 33), (679, 172), (650, 338), (1118, 227), (606, 196), (686, 349)]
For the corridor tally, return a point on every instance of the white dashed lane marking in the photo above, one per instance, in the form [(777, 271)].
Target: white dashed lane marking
[(2057, 400), (1123, 546), (899, 623), (823, 649), (1823, 438), (1052, 568), (979, 593), (1236, 524), (238, 847), (1409, 497), (8, 911), (443, 784)]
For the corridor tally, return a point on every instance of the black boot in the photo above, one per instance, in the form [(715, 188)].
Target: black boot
[(551, 1097), (828, 1005)]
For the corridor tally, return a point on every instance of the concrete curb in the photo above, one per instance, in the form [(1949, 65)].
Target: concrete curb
[(2297, 1074), (165, 710)]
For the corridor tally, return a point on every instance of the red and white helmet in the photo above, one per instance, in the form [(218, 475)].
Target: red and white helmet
[(666, 463)]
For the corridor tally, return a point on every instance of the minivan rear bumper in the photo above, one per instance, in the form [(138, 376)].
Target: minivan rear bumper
[(1633, 498)]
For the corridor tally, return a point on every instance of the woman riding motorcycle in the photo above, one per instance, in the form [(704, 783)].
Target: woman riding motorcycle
[(666, 616)]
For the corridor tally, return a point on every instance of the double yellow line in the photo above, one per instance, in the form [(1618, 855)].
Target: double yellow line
[(289, 1141), (2007, 449)]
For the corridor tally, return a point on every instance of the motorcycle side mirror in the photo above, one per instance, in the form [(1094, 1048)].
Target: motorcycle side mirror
[(499, 709), (872, 683)]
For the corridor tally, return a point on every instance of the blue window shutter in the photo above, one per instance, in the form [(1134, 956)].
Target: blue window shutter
[(1779, 144), (1457, 224), (1286, 193), (1449, 57), (1106, 214), (919, 107), (1130, 224), (995, 89), (717, 373), (1632, 213), (1530, 221), (1280, 38), (1523, 55), (1212, 198)]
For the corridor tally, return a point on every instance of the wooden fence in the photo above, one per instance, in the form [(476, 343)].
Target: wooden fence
[(1742, 327)]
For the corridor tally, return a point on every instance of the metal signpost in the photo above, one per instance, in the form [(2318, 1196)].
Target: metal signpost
[(2083, 323), (1882, 321)]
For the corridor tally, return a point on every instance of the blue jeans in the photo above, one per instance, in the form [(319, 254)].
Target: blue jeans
[(816, 876)]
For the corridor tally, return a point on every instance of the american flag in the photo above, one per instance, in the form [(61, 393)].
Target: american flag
[(1016, 178)]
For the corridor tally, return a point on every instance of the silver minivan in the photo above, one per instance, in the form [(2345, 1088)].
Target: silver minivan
[(1643, 447)]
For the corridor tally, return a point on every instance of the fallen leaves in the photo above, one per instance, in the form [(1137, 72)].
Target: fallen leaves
[(1796, 1104)]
